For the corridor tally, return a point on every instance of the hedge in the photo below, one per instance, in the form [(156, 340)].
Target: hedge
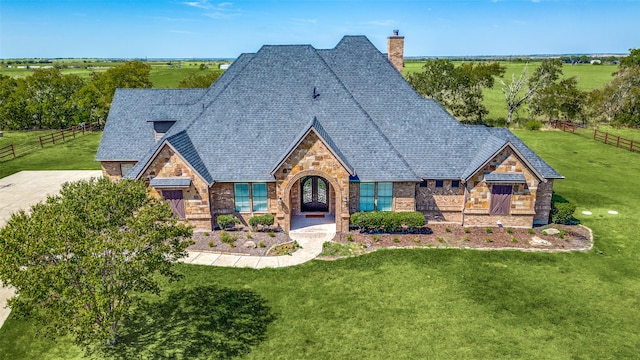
[(387, 221), (562, 213), (264, 220), (227, 221)]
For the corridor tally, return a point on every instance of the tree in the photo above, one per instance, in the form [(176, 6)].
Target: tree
[(95, 98), (546, 74), (200, 81), (633, 59), (81, 260), (562, 99), (459, 89), (617, 97)]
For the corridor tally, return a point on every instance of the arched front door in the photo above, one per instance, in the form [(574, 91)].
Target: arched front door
[(315, 194)]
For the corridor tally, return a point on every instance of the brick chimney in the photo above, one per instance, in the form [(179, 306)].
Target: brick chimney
[(395, 50)]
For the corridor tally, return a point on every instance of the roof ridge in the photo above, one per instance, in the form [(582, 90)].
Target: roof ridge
[(367, 115)]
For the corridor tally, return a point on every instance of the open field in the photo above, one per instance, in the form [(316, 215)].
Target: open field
[(412, 304), (162, 75), (590, 77)]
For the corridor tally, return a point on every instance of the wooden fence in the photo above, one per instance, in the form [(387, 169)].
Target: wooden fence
[(6, 151), (564, 125), (605, 137), (61, 134)]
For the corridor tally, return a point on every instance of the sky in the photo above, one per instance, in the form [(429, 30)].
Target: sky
[(225, 29)]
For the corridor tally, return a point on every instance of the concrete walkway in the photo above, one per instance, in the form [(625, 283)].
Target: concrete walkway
[(26, 188), (310, 233), (20, 191)]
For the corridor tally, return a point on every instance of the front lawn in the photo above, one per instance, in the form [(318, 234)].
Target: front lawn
[(413, 304)]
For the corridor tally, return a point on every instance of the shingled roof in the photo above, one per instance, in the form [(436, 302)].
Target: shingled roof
[(243, 125)]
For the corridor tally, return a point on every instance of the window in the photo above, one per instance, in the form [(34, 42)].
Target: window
[(125, 168), (259, 196), (455, 183), (385, 196), (424, 184), (439, 183), (241, 193), (367, 196)]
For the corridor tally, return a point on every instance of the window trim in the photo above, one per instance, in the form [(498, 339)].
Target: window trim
[(254, 197)]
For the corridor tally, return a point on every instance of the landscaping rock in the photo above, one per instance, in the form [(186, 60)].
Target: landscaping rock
[(250, 245), (551, 231), (536, 241)]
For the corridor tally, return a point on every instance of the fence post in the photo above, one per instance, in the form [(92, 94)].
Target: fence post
[(606, 135), (41, 145), (618, 141), (631, 145), (595, 133), (13, 151), (62, 132)]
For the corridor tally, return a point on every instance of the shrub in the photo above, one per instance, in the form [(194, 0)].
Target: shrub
[(467, 230), (447, 229), (489, 230), (263, 220), (441, 239), (466, 238), (211, 243), (387, 221), (249, 236), (531, 231), (376, 238), (396, 240), (349, 238), (533, 125), (509, 231), (261, 244), (206, 233), (228, 239), (489, 240), (514, 240), (562, 213), (227, 221), (416, 240), (271, 234)]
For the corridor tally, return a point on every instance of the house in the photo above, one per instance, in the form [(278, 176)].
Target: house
[(293, 130)]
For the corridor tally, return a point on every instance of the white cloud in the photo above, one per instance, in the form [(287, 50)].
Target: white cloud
[(202, 4)]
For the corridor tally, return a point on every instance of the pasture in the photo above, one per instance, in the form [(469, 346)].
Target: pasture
[(412, 304)]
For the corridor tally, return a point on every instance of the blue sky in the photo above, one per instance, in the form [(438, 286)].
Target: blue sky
[(221, 29)]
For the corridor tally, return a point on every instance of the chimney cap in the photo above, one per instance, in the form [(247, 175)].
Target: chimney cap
[(395, 32)]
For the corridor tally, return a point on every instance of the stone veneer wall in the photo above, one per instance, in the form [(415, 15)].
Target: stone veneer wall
[(404, 196), (312, 158), (395, 51), (111, 169), (543, 202), (523, 198), (440, 204), (196, 197)]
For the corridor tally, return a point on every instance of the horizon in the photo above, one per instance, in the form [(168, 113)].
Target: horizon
[(204, 29)]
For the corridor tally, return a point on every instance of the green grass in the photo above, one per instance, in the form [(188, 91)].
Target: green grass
[(408, 304), (74, 154)]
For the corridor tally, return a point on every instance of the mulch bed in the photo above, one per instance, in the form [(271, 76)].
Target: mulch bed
[(570, 238), (242, 246)]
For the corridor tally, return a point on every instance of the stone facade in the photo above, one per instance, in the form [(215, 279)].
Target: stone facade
[(113, 169), (523, 197), (404, 196), (543, 202), (440, 203), (196, 197), (312, 157)]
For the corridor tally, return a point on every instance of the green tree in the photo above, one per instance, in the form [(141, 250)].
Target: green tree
[(95, 98), (617, 99), (560, 100), (457, 88), (200, 81), (82, 259), (633, 59)]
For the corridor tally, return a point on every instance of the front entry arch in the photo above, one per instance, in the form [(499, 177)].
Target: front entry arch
[(314, 194)]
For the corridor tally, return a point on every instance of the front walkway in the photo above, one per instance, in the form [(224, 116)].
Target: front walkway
[(310, 233)]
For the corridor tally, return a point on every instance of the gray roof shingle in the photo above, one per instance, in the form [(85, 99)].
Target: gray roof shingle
[(246, 122)]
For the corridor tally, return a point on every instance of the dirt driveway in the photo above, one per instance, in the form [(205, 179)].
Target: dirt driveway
[(26, 188)]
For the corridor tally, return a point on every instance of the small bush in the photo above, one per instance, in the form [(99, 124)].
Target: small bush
[(447, 229), (531, 231), (466, 238), (509, 231), (533, 125), (271, 234), (489, 230), (489, 240), (349, 238), (514, 240), (265, 220), (387, 221), (226, 222), (396, 240), (206, 233), (228, 239), (467, 230), (416, 240), (441, 239), (562, 213), (261, 244), (249, 236), (376, 238), (212, 244)]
